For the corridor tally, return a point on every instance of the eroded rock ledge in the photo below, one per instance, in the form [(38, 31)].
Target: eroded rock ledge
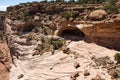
[(105, 33)]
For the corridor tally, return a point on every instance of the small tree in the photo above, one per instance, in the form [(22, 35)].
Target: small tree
[(117, 57), (60, 1)]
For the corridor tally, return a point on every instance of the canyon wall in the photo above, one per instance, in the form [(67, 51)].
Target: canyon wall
[(32, 30), (104, 33)]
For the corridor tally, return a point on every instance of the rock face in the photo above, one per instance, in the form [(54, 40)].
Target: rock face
[(5, 57), (5, 61), (98, 15), (105, 34)]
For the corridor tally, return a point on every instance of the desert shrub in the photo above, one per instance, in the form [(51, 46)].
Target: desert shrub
[(71, 1), (59, 0), (2, 36), (36, 29), (48, 44), (46, 30), (19, 33), (57, 44), (30, 37), (117, 57), (91, 1), (50, 17), (81, 17), (1, 54), (67, 14), (111, 7), (42, 40), (75, 14)]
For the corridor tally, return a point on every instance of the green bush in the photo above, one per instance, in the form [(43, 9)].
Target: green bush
[(60, 1), (111, 7), (117, 57), (91, 1), (67, 14), (36, 29), (19, 33), (57, 44)]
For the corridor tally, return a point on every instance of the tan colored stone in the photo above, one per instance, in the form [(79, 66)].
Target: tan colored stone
[(97, 78), (74, 75), (76, 65), (20, 76), (97, 15), (86, 73), (65, 49), (113, 74)]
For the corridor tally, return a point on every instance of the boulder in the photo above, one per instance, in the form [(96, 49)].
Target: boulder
[(113, 73), (74, 75), (20, 76), (65, 49), (76, 65), (116, 18), (86, 73), (98, 15), (97, 77)]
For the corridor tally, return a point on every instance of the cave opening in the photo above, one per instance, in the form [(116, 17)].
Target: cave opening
[(72, 34)]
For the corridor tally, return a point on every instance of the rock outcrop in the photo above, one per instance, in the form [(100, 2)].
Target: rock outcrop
[(5, 61)]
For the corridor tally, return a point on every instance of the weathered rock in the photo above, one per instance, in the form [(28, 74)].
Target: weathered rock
[(86, 73), (97, 78), (36, 53), (104, 33), (116, 17), (113, 73), (20, 76), (102, 61), (36, 17), (65, 49), (97, 15), (74, 75), (76, 65), (118, 3), (5, 61)]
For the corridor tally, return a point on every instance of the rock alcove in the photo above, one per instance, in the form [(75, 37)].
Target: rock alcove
[(73, 34)]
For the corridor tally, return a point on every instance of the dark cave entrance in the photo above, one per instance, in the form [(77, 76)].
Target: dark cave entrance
[(72, 34)]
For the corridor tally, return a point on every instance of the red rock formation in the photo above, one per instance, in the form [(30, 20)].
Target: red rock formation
[(5, 61)]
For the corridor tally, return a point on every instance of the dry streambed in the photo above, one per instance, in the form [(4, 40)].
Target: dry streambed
[(79, 64)]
